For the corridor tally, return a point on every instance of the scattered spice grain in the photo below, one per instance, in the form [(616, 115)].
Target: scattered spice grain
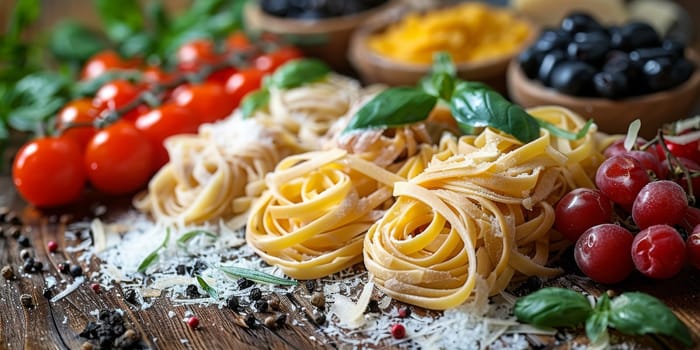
[(7, 272), (26, 300), (318, 300)]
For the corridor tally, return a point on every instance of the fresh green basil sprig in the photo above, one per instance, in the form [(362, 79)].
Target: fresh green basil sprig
[(290, 75), (473, 105), (631, 313)]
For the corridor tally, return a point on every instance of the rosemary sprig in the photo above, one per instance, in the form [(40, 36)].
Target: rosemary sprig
[(257, 276), (151, 258), (188, 236), (207, 288)]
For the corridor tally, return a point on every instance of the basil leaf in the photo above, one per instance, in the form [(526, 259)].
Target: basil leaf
[(73, 41), (597, 326), (40, 86), (28, 118), (553, 307), (207, 288), (122, 19), (188, 236), (257, 276), (638, 313), (151, 258), (23, 14), (474, 106), (393, 107), (440, 85), (299, 72), (254, 101), (442, 63)]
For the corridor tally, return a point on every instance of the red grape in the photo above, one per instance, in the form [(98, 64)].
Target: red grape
[(693, 247), (690, 219), (659, 202), (648, 160), (658, 251), (580, 210), (618, 147), (602, 253), (620, 178)]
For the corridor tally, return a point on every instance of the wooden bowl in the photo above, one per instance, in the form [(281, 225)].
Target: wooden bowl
[(613, 116), (375, 68), (326, 39)]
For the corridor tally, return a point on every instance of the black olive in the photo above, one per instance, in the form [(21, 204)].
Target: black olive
[(658, 74), (635, 35), (549, 61), (589, 47), (530, 60), (644, 54), (675, 47), (610, 85), (580, 22), (681, 71), (573, 78), (552, 39), (275, 7)]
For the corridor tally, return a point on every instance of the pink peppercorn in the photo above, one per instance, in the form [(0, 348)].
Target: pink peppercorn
[(398, 331), (96, 287), (193, 322), (52, 246), (404, 312)]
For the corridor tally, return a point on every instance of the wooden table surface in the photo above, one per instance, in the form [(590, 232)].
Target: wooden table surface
[(56, 325)]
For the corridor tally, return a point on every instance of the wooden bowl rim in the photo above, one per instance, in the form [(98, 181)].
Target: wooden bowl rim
[(312, 26), (358, 42), (517, 78)]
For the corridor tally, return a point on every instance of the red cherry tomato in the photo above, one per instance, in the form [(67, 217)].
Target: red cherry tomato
[(238, 42), (116, 95), (221, 76), (49, 171), (77, 112), (119, 159), (105, 61), (192, 55), (160, 123), (208, 102), (242, 83), (155, 75), (269, 62)]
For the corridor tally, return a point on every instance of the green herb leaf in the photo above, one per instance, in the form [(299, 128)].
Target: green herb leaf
[(393, 107), (254, 101), (475, 106), (151, 258), (23, 14), (73, 41), (442, 63), (565, 134), (638, 313), (597, 326), (207, 288), (257, 276), (122, 19), (299, 72), (553, 307), (188, 236), (29, 118), (40, 86)]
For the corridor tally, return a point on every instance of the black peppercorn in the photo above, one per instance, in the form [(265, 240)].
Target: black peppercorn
[(373, 307), (28, 266), (38, 266), (76, 270), (7, 272), (261, 305), (14, 232), (255, 294), (232, 302), (26, 300), (250, 320), (46, 293), (130, 296), (318, 300), (310, 285), (23, 241), (319, 318), (281, 319), (273, 301), (64, 267), (24, 254), (180, 269), (244, 283), (191, 291)]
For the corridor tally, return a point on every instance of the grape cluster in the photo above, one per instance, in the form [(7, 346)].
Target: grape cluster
[(635, 217)]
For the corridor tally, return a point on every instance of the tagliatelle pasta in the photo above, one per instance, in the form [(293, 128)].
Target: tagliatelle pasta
[(483, 207), (219, 172), (312, 219)]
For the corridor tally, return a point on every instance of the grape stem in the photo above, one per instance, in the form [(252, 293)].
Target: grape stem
[(672, 162)]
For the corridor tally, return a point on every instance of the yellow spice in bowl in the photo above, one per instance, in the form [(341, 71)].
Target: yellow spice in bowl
[(468, 32)]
